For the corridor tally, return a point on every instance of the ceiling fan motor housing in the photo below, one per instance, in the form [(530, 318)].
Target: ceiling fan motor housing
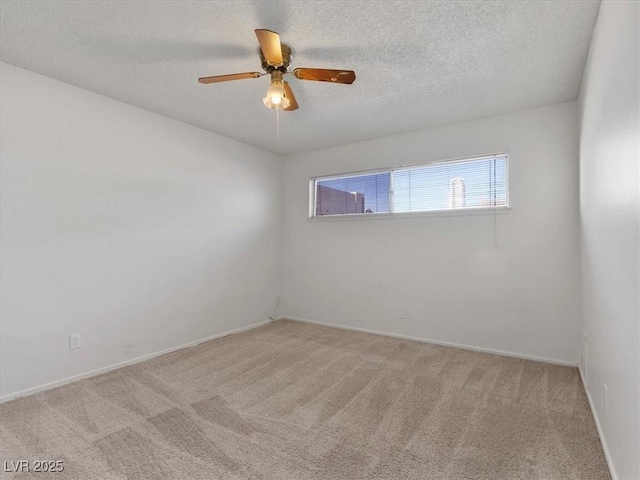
[(286, 61)]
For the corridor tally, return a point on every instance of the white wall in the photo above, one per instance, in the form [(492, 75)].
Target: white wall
[(521, 297), (138, 232), (610, 230)]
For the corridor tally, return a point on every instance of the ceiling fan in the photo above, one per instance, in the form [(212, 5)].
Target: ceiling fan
[(276, 58)]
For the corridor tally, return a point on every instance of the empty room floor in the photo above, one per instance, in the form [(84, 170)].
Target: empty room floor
[(294, 401)]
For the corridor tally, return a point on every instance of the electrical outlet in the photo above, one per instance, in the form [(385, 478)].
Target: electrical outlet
[(606, 397), (74, 341), (403, 313)]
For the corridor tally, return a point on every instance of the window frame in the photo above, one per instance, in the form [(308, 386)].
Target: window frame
[(313, 188)]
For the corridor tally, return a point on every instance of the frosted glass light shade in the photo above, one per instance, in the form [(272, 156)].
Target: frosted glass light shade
[(276, 98)]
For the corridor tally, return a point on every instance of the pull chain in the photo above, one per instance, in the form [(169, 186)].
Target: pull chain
[(495, 204), (278, 124), (495, 229)]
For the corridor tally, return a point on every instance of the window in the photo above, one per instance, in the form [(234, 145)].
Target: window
[(364, 193), (480, 182)]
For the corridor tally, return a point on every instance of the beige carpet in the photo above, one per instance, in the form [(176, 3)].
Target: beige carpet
[(297, 401)]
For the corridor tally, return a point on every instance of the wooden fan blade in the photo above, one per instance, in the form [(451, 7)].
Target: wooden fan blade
[(324, 75), (288, 93), (232, 76), (270, 46)]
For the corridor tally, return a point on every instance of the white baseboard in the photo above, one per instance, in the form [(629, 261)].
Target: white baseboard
[(583, 377), (434, 342), (115, 366), (603, 441)]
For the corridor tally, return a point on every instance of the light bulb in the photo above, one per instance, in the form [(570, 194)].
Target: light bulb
[(275, 96)]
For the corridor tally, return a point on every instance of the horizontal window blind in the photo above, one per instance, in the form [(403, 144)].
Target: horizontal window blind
[(459, 184), (480, 182)]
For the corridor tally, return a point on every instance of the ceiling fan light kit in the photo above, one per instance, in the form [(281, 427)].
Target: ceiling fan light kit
[(275, 59), (276, 96)]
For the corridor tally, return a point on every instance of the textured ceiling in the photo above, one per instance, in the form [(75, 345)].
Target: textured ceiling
[(419, 63)]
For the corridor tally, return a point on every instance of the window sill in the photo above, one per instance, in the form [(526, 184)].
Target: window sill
[(405, 215)]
